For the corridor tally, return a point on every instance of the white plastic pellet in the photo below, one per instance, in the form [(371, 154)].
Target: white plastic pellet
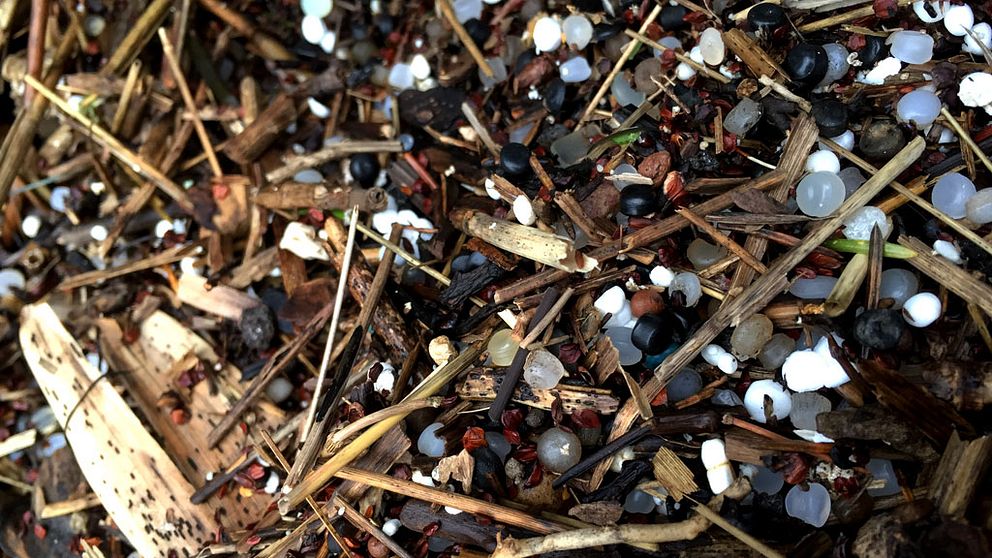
[(638, 501), (688, 284), (99, 233), (810, 370), (31, 226), (467, 9), (719, 473), (628, 353), (318, 109), (948, 250), (301, 239), (313, 29), (60, 195), (547, 34), (329, 41), (316, 8), (711, 46), (819, 194), (981, 35), (420, 67), (837, 64), (542, 370), (684, 72), (959, 20), (11, 279), (391, 526), (386, 379), (624, 93), (975, 89), (400, 76), (978, 208), (279, 389), (523, 210), (885, 68), (703, 254), (429, 443), (823, 161), (754, 400), (922, 309), (930, 11), (859, 224), (575, 70), (661, 276), (845, 140), (614, 301)]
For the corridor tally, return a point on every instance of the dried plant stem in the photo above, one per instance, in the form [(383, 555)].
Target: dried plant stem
[(945, 273), (177, 73), (966, 137), (628, 51), (464, 37), (480, 130), (403, 408), (332, 330), (116, 148), (333, 151), (844, 17), (616, 534), (735, 531), (133, 72), (546, 320), (36, 43), (723, 240), (267, 46)]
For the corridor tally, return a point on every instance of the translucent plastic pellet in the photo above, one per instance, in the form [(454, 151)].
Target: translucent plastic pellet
[(951, 194), (959, 19), (811, 506), (316, 8), (883, 473), (542, 370), (767, 481), (558, 450), (711, 46), (620, 337), (776, 350), (911, 47), (499, 73), (744, 116), (899, 285), (429, 443), (312, 28), (816, 288), (978, 209), (502, 347), (852, 179), (570, 148), (920, 108), (980, 36), (823, 160), (308, 176), (685, 384), (624, 93), (400, 76), (837, 64), (750, 336), (497, 442), (638, 501), (820, 194), (578, 31), (805, 407), (279, 390), (467, 9), (575, 70), (859, 224), (703, 254)]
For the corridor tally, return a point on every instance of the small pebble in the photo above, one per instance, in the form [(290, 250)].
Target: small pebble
[(819, 194), (684, 385), (811, 506), (754, 400), (558, 450), (951, 194), (703, 254), (823, 161), (921, 309), (919, 107), (547, 34), (898, 285), (859, 224), (911, 47), (257, 326), (542, 370), (805, 408), (879, 329), (429, 443)]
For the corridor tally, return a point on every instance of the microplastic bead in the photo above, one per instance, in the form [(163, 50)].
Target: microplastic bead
[(951, 194), (558, 450), (898, 285), (819, 194), (930, 11), (859, 224), (823, 161), (911, 47), (750, 336), (981, 35), (578, 31), (811, 506), (429, 443), (805, 407), (502, 347), (922, 309), (776, 350), (816, 288), (703, 254), (547, 34), (978, 208), (711, 46), (958, 20), (919, 107), (575, 70), (754, 400), (542, 370)]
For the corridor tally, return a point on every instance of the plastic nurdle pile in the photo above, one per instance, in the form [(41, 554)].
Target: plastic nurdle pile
[(495, 278)]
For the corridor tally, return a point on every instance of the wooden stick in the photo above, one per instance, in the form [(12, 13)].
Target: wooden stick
[(844, 17), (723, 240), (333, 151), (177, 72), (124, 102), (546, 320), (510, 516), (380, 279), (59, 509), (736, 531), (464, 37), (168, 256), (480, 130), (139, 35), (965, 137), (265, 44), (403, 408), (761, 292), (332, 331), (116, 148), (428, 387), (36, 43), (628, 51)]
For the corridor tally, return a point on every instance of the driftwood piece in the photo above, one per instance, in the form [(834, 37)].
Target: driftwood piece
[(151, 366), (220, 300), (249, 145), (461, 528), (482, 384), (871, 422), (961, 471), (142, 490), (293, 195), (754, 57)]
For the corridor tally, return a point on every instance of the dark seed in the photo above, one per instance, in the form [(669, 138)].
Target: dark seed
[(554, 95), (879, 329), (881, 140), (672, 17), (766, 17), (257, 328), (651, 334), (364, 168), (831, 117), (514, 159), (638, 200), (478, 31), (806, 64)]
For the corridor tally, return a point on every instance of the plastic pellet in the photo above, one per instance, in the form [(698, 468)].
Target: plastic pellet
[(811, 506), (820, 194), (755, 401), (951, 194)]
